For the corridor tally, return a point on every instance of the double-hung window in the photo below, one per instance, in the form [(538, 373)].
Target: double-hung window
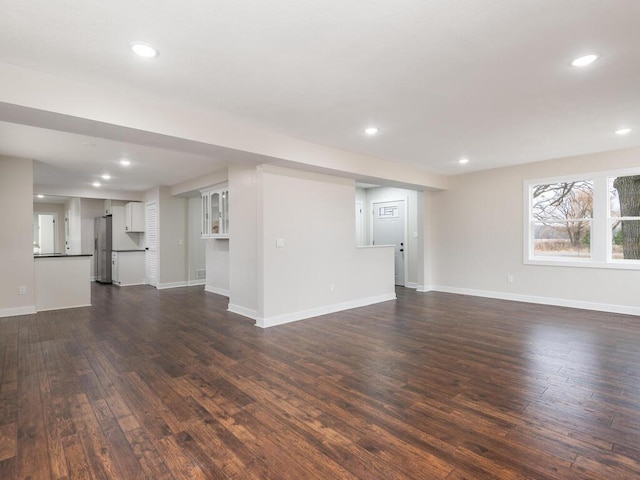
[(588, 220)]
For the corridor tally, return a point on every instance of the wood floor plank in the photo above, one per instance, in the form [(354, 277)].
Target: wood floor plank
[(170, 385)]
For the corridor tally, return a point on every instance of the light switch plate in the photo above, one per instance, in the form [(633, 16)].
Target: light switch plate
[(279, 242)]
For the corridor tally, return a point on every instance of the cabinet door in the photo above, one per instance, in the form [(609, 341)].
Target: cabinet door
[(216, 204), (215, 213), (134, 217), (204, 227), (137, 217), (224, 213), (128, 216), (115, 269)]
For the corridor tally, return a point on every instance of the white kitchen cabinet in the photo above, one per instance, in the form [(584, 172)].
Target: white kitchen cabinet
[(134, 217), (121, 238), (215, 212), (127, 268)]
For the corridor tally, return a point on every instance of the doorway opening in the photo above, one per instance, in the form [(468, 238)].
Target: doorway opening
[(45, 238), (388, 227)]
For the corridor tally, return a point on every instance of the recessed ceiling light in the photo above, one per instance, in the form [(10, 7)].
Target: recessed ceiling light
[(40, 196), (106, 176), (124, 162), (144, 50), (584, 60), (371, 130), (463, 161), (96, 184), (623, 131)]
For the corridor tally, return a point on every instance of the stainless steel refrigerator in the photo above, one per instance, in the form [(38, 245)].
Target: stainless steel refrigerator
[(102, 252)]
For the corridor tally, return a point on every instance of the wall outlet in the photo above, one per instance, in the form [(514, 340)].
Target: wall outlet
[(279, 242), (22, 290), (509, 278)]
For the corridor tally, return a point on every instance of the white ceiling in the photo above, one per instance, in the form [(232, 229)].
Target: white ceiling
[(442, 79), (77, 160)]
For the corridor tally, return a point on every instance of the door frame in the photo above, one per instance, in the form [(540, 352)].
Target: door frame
[(362, 219), (405, 231)]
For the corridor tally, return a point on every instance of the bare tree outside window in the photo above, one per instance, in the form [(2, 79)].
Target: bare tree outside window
[(625, 217), (562, 214)]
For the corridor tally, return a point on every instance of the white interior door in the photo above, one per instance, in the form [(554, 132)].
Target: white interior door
[(388, 228), (151, 239)]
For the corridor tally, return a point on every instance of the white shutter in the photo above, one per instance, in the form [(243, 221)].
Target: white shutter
[(151, 239)]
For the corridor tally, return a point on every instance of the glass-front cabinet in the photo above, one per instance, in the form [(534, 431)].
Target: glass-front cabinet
[(215, 212)]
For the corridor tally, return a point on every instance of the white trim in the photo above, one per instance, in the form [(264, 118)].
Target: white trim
[(413, 285), (164, 286), (424, 288), (316, 312), (559, 302), (193, 283), (128, 284), (92, 278), (220, 291), (245, 312), (584, 263), (14, 312), (63, 308), (363, 234), (600, 254)]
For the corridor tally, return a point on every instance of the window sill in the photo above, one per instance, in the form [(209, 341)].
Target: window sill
[(585, 263)]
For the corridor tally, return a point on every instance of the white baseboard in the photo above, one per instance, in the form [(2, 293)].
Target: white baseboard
[(315, 312), (193, 283), (63, 308), (163, 286), (92, 279), (245, 312), (129, 284), (558, 302), (14, 312), (424, 288), (220, 291), (411, 285)]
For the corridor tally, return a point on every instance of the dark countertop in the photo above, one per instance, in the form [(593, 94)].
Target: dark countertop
[(60, 255)]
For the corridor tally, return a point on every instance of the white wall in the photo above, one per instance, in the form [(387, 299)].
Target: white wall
[(243, 241), (425, 241), (478, 235), (172, 239), (319, 270), (217, 261), (196, 245), (16, 236)]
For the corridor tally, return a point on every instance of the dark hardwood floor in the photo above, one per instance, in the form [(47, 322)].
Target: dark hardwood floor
[(167, 384)]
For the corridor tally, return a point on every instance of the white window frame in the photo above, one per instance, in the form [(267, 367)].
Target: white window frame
[(601, 238)]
